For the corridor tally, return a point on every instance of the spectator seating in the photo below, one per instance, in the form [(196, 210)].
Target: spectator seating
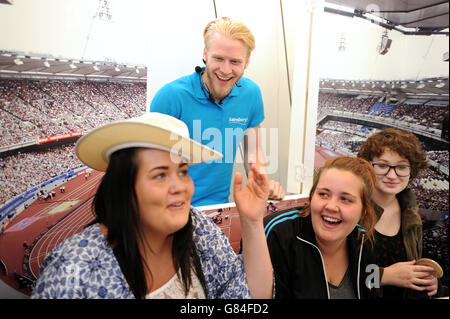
[(31, 109)]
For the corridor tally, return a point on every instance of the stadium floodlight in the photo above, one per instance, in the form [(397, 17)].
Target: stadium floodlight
[(385, 43), (341, 43), (104, 11)]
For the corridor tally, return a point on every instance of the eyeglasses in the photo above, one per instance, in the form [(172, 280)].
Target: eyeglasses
[(383, 169)]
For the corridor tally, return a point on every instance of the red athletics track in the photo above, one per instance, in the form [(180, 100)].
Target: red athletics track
[(322, 154), (45, 224), (40, 227), (226, 216)]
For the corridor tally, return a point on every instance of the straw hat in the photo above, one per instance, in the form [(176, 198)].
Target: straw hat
[(151, 130)]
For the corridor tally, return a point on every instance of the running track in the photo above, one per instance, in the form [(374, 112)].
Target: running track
[(43, 225), (321, 155), (29, 238)]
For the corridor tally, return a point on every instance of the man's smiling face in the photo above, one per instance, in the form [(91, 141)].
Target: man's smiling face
[(226, 60)]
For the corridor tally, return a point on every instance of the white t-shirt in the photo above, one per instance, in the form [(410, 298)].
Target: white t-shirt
[(174, 289)]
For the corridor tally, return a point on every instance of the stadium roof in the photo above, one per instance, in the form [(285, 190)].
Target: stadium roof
[(15, 64), (414, 17), (430, 89)]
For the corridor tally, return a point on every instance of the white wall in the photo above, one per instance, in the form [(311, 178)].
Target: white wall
[(175, 40), (66, 29), (307, 56)]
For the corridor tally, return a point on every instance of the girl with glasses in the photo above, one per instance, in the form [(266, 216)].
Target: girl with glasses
[(397, 158)]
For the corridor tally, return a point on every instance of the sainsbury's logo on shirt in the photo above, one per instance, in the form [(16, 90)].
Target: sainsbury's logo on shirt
[(238, 120)]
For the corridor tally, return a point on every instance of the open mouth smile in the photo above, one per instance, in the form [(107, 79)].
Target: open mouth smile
[(224, 78), (331, 221)]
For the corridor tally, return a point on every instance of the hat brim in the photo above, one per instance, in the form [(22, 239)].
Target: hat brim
[(95, 148)]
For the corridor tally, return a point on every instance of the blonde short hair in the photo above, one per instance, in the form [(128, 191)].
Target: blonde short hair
[(232, 28)]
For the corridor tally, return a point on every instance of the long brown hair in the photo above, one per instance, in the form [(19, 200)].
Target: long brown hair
[(115, 205)]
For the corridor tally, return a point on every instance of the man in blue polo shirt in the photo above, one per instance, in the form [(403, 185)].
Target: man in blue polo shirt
[(219, 106)]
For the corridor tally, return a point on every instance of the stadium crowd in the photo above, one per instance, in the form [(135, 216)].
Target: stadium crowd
[(435, 245), (420, 114), (414, 112), (440, 157), (31, 109), (344, 102), (24, 171)]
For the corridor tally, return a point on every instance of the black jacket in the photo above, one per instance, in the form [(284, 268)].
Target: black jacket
[(297, 261)]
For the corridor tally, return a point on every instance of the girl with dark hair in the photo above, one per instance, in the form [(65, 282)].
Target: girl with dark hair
[(147, 241)]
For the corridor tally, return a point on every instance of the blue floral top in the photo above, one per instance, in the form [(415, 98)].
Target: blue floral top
[(84, 266)]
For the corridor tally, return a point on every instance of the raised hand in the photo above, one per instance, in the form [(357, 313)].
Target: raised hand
[(251, 204), (251, 201)]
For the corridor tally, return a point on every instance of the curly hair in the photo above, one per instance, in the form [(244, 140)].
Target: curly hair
[(404, 143)]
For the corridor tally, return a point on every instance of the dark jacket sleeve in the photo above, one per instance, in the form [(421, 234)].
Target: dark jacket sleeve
[(281, 260)]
